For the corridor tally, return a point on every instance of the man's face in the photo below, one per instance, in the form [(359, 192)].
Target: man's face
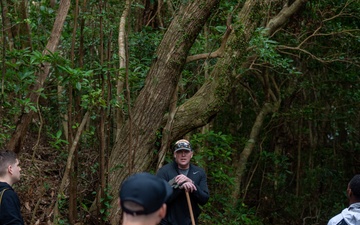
[(182, 158), (15, 169)]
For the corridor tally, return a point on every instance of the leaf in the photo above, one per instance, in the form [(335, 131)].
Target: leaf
[(221, 29), (78, 86)]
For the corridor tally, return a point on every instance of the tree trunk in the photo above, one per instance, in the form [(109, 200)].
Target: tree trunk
[(122, 67), (249, 146), (74, 166), (69, 164), (24, 27), (15, 143), (166, 133), (154, 99), (6, 26), (199, 109)]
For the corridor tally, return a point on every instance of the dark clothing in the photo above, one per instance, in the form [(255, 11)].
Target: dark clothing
[(10, 213), (177, 206)]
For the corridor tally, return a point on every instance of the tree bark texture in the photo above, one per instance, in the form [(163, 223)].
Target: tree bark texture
[(122, 66), (204, 105), (154, 99)]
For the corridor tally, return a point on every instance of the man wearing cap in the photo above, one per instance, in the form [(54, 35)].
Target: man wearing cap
[(184, 177), (142, 198)]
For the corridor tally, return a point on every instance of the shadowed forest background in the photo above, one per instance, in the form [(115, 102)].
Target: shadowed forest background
[(267, 91)]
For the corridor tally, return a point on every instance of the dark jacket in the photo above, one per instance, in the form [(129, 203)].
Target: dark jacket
[(10, 213), (177, 206)]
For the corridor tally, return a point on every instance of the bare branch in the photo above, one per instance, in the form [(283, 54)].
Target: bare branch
[(341, 13), (218, 53), (283, 16), (316, 33), (317, 58)]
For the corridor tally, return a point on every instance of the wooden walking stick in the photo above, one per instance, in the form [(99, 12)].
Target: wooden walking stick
[(175, 185), (190, 208)]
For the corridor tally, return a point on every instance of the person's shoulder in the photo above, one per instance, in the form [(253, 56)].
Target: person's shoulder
[(4, 185), (168, 165), (6, 192), (9, 197), (196, 167), (335, 220), (6, 189)]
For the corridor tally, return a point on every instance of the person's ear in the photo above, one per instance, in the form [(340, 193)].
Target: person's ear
[(348, 192), (9, 169), (119, 202), (162, 211)]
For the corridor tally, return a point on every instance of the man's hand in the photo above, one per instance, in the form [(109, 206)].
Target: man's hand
[(180, 179), (185, 183), (188, 186)]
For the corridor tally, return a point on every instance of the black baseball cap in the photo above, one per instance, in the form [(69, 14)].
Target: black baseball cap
[(182, 144), (146, 190)]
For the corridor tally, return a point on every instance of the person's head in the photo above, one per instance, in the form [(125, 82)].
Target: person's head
[(183, 153), (9, 167), (143, 198), (353, 190)]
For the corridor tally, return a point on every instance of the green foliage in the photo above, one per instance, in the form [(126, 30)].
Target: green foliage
[(214, 152), (106, 203), (62, 205), (142, 47), (266, 50), (304, 155), (281, 168), (57, 142)]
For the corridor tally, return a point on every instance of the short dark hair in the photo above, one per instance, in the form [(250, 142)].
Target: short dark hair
[(354, 185), (6, 158)]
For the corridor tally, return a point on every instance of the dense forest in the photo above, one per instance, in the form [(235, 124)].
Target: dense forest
[(267, 92)]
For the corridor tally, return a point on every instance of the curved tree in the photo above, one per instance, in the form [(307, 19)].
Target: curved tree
[(154, 99)]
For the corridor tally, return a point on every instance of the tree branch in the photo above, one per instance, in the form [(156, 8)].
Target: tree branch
[(218, 53), (284, 16)]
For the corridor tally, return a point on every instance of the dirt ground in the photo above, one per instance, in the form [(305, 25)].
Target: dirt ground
[(41, 174)]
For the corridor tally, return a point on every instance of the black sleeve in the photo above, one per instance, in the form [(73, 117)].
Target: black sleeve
[(202, 194), (10, 209), (165, 173)]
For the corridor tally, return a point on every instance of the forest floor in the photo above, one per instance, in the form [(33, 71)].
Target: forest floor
[(41, 174)]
